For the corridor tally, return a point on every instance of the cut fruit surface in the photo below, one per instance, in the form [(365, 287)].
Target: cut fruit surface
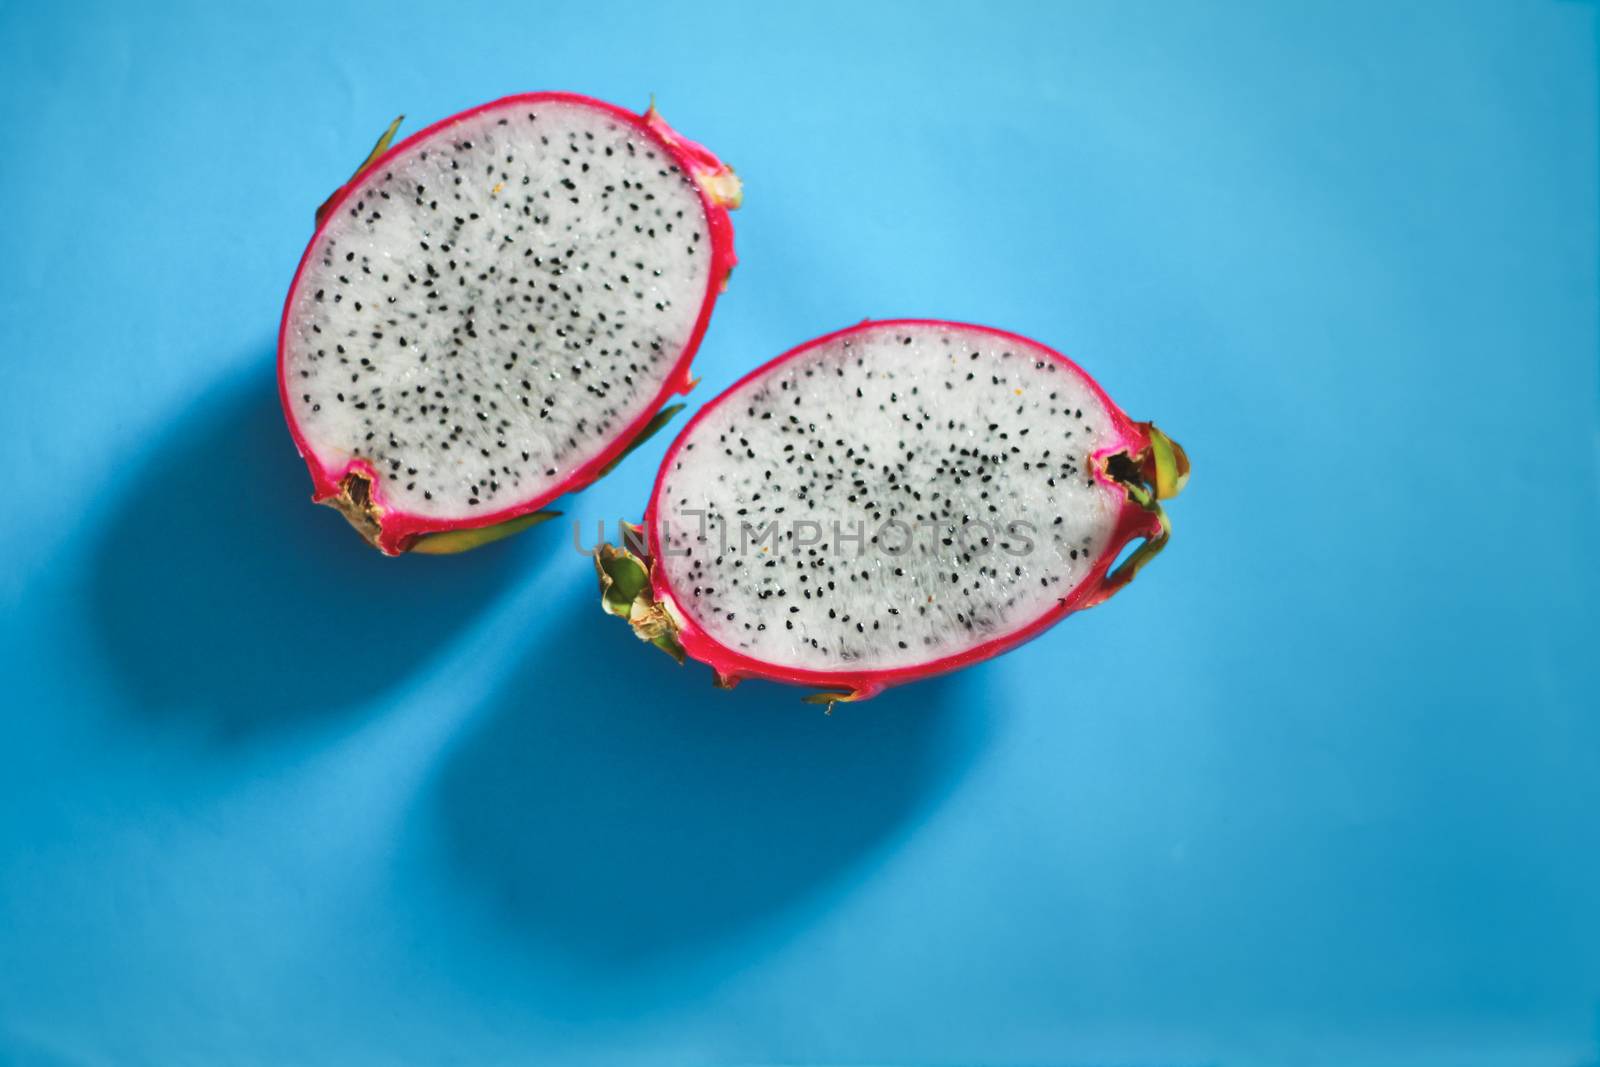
[(895, 500), (490, 312)]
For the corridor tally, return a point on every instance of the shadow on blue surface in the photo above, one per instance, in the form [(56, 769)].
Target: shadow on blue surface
[(271, 611), (617, 812)]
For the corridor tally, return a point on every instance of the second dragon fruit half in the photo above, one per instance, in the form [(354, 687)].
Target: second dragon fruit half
[(895, 500)]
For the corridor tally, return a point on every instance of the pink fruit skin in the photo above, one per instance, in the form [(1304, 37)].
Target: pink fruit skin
[(400, 529), (1133, 522)]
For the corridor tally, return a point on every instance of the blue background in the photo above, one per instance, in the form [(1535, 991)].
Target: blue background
[(1323, 787)]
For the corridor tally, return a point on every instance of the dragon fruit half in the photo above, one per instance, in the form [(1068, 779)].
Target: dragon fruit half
[(895, 500), (493, 311)]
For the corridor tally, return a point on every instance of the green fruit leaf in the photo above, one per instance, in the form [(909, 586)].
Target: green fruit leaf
[(378, 149), (830, 697), (651, 428), (1169, 462), (623, 576), (450, 542), (669, 644), (625, 592), (381, 147)]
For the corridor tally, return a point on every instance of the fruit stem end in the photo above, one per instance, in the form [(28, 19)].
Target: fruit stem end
[(625, 592)]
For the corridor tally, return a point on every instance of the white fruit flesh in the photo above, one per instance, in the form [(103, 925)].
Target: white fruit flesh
[(495, 305), (961, 454)]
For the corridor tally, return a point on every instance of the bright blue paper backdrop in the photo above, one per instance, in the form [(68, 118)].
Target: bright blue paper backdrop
[(1322, 787)]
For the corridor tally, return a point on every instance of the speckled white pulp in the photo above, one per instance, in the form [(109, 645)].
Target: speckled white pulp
[(930, 491), (495, 305)]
